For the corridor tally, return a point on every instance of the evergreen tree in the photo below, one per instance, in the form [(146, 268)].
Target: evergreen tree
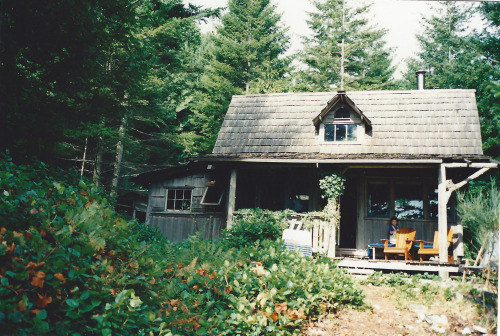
[(103, 84), (344, 51), (55, 69), (148, 133), (249, 45), (455, 57), (245, 55), (449, 54), (489, 103)]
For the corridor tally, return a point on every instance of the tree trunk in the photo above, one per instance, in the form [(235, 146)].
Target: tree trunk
[(98, 158), (119, 155), (247, 84), (84, 157), (342, 55)]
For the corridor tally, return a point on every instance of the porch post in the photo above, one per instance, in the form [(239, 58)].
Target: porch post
[(442, 214), (231, 199)]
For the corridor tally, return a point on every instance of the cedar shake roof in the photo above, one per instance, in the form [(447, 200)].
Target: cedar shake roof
[(412, 123)]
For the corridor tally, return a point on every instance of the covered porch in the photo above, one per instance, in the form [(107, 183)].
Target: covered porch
[(417, 189)]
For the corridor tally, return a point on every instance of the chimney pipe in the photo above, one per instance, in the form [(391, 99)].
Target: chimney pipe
[(421, 79)]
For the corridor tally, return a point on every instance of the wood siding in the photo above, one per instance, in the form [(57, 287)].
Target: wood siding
[(178, 225)]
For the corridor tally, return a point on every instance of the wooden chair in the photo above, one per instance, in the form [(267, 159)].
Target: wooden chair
[(434, 250), (404, 240)]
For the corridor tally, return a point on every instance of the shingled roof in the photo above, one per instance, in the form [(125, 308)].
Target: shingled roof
[(418, 122)]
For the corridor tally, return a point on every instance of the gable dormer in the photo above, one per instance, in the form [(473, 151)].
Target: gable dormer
[(341, 121)]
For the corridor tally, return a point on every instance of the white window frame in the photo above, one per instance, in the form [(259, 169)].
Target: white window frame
[(175, 189), (359, 132)]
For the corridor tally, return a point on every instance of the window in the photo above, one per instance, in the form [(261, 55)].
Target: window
[(341, 132), (408, 201), (432, 196), (178, 199), (343, 113), (403, 199), (212, 195), (433, 203), (378, 199)]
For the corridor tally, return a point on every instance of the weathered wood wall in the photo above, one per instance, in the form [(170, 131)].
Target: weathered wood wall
[(178, 225)]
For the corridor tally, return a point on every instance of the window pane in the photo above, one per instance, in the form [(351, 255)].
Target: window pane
[(178, 199), (179, 193), (433, 203), (212, 195), (171, 194), (408, 201), (378, 199), (329, 132), (342, 113), (352, 132), (340, 132)]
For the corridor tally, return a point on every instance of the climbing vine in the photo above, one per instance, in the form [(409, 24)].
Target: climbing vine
[(333, 187)]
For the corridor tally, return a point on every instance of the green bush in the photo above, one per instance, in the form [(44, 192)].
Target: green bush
[(252, 225), (478, 210), (262, 289), (69, 265)]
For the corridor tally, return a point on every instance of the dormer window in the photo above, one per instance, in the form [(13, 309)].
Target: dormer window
[(341, 122), (341, 132)]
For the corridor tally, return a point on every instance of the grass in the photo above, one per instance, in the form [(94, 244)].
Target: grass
[(472, 300)]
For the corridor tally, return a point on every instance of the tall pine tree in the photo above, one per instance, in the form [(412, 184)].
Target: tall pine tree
[(489, 103), (249, 45), (449, 53), (244, 55), (455, 56), (344, 50)]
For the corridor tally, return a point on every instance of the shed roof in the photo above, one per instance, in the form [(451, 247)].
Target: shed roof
[(423, 122)]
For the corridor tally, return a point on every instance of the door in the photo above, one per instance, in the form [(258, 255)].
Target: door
[(348, 215)]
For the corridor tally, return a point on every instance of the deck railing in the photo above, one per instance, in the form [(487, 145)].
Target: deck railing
[(322, 231)]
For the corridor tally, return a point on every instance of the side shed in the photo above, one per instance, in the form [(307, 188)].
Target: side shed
[(185, 200)]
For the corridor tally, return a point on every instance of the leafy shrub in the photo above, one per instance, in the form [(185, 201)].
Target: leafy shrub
[(71, 266), (251, 225), (478, 210), (262, 289), (148, 233)]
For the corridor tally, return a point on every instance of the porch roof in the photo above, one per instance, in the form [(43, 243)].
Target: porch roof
[(423, 122), (471, 160)]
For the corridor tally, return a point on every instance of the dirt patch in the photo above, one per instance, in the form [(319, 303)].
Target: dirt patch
[(389, 318)]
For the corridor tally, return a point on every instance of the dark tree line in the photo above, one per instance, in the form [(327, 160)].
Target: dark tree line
[(118, 87)]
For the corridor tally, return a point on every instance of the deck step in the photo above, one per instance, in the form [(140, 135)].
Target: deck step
[(363, 271), (399, 266)]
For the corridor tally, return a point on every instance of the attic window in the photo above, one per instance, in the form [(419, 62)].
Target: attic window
[(342, 113), (341, 132)]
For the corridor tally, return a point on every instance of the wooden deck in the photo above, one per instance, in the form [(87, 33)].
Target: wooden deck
[(356, 262), (368, 266)]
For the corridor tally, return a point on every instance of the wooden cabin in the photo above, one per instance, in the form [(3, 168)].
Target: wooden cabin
[(403, 154), (185, 200)]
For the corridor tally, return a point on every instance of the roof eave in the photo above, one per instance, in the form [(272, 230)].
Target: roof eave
[(343, 98)]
